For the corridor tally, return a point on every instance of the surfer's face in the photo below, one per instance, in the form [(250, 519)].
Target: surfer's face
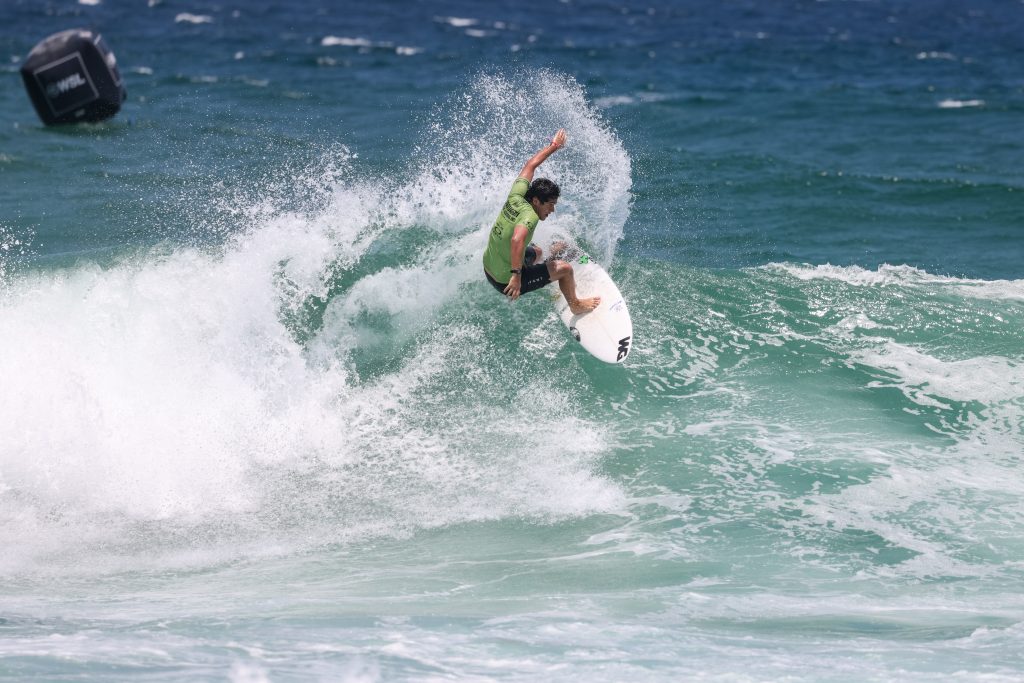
[(544, 209)]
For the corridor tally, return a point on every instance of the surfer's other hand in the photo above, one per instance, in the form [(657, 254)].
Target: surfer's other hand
[(513, 287)]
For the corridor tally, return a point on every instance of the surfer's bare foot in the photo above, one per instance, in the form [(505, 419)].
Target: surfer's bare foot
[(584, 305)]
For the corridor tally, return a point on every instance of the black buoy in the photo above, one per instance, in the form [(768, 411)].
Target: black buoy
[(72, 76)]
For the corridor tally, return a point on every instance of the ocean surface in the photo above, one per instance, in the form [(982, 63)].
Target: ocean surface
[(262, 419)]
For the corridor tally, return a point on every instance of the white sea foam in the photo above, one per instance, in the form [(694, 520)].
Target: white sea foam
[(331, 41), (903, 276), (457, 22), (929, 381), (614, 101), (248, 673), (365, 44), (187, 18), (960, 104), (930, 499), (167, 395), (920, 501)]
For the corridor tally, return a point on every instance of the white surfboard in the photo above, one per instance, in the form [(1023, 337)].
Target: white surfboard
[(607, 331)]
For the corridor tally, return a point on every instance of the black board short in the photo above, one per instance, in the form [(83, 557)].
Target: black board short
[(533, 278)]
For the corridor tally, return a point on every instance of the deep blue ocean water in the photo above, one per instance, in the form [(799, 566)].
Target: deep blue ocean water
[(262, 419)]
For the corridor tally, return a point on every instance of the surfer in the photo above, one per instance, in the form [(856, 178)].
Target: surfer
[(512, 267)]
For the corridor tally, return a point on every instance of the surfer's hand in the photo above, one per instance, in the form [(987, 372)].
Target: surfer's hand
[(559, 140), (513, 287)]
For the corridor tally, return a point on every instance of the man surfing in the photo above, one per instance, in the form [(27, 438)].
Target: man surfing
[(512, 267)]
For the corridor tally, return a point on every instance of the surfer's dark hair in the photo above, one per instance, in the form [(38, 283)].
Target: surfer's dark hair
[(543, 189)]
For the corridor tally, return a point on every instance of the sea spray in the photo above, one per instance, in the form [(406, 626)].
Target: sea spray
[(479, 139), (301, 381)]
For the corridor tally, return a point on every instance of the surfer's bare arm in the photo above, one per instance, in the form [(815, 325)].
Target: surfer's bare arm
[(515, 283), (537, 159)]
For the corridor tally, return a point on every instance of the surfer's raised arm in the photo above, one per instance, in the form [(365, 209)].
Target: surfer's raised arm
[(537, 159)]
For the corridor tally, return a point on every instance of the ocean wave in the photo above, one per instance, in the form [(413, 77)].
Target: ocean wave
[(614, 101), (960, 104), (187, 18), (331, 41), (366, 44), (202, 412), (905, 276), (457, 22), (288, 380), (931, 382)]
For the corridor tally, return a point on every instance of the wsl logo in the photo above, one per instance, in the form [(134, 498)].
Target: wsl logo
[(623, 348), (65, 85)]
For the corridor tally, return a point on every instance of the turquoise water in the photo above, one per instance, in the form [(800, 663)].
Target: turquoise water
[(263, 420)]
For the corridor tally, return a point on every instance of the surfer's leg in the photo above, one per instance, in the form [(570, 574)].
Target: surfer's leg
[(562, 272)]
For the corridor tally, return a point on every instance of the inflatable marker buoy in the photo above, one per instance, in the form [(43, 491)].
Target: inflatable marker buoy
[(72, 76)]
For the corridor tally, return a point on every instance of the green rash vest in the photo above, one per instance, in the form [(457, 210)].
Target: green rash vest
[(517, 211)]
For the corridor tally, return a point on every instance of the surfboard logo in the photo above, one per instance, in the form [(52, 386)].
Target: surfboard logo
[(575, 333), (623, 347)]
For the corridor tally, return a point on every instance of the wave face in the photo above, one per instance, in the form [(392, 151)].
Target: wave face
[(819, 460)]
